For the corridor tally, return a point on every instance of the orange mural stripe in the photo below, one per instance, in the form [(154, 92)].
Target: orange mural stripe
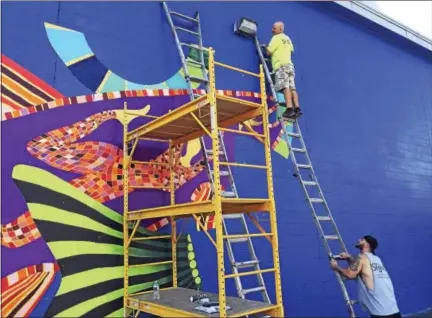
[(28, 76), (17, 300), (6, 293), (38, 295), (12, 301), (21, 91)]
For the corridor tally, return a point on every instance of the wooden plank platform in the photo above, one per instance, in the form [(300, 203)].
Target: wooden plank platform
[(180, 126), (229, 206), (174, 302)]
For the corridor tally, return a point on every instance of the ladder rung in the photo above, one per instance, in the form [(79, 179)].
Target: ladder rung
[(246, 264), (193, 46), (183, 16), (187, 31), (198, 79), (190, 61), (298, 150), (316, 200), (261, 271), (246, 235), (232, 216), (224, 173), (253, 290), (301, 166), (293, 134), (309, 183), (238, 240), (210, 152), (228, 194), (331, 237), (323, 218)]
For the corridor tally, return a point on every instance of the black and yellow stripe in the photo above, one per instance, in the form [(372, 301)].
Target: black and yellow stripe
[(85, 237)]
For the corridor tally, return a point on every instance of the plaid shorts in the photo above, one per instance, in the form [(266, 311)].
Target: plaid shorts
[(284, 77)]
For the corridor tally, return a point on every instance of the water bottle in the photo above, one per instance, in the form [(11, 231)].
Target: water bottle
[(156, 294)]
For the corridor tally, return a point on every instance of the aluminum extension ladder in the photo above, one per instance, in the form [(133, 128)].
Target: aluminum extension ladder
[(321, 218), (191, 26)]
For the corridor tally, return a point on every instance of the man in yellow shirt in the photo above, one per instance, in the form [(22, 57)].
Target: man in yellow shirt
[(280, 49)]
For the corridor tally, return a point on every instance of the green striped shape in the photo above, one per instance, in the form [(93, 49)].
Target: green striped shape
[(71, 249)]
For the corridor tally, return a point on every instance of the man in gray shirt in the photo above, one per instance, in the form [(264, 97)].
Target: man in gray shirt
[(375, 288)]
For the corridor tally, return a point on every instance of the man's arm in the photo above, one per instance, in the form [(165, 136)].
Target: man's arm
[(352, 271), (272, 46)]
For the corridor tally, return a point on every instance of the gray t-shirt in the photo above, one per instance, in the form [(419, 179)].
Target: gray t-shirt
[(381, 300)]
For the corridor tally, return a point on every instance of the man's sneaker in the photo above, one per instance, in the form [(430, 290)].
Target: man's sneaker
[(298, 112), (289, 113)]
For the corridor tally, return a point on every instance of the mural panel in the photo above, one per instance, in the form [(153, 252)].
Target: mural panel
[(62, 175)]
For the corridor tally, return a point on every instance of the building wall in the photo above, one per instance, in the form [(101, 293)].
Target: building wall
[(367, 123)]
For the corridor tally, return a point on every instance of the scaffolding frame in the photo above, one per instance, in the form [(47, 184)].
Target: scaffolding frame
[(222, 112)]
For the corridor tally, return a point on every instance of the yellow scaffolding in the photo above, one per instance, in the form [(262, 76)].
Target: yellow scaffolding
[(205, 115)]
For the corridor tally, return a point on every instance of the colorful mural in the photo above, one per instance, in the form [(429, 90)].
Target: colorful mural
[(66, 200), (68, 61)]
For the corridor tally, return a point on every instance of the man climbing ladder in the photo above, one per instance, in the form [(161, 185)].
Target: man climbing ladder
[(280, 49), (303, 168)]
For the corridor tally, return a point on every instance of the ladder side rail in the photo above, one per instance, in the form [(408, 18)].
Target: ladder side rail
[(314, 177), (274, 95), (202, 143), (267, 73), (294, 160), (339, 278), (228, 167), (203, 69), (189, 82), (210, 173), (180, 50), (251, 249), (256, 266), (238, 283)]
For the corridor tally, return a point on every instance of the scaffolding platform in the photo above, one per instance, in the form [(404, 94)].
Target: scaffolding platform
[(181, 124), (174, 302), (229, 206)]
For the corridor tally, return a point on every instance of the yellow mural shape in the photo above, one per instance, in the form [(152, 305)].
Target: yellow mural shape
[(192, 148), (131, 114)]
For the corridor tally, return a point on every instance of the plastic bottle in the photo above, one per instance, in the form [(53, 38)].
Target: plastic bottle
[(156, 294)]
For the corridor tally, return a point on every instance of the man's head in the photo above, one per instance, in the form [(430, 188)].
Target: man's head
[(278, 27), (367, 244)]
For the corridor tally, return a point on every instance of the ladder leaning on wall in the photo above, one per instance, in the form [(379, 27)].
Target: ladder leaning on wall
[(192, 27), (321, 213)]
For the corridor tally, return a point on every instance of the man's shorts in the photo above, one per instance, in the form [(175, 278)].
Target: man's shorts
[(285, 78)]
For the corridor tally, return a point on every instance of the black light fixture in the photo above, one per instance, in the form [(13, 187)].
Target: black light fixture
[(246, 27)]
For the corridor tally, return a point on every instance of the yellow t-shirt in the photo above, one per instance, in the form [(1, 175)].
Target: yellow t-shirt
[(280, 47)]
